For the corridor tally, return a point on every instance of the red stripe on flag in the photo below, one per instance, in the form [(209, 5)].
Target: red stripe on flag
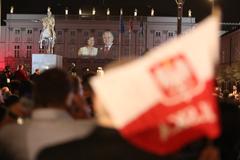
[(163, 129)]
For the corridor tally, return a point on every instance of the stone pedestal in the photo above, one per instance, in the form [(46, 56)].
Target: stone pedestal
[(46, 61)]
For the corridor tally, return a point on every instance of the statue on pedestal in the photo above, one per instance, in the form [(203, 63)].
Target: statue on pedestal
[(48, 34)]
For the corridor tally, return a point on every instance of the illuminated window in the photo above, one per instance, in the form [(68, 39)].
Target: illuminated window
[(29, 51), (16, 51)]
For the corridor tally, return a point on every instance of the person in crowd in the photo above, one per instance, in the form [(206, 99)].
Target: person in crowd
[(2, 115), (88, 50), (6, 92), (13, 110), (87, 90), (73, 69), (14, 87), (23, 92), (105, 142), (218, 92), (35, 75), (229, 141), (50, 123), (79, 108), (5, 77), (2, 110), (21, 74), (234, 93), (108, 50)]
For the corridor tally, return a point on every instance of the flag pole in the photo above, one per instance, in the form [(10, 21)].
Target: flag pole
[(180, 4), (141, 38), (130, 39), (120, 35), (130, 27), (120, 43)]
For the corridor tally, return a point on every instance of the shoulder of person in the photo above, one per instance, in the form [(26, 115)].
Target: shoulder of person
[(83, 48)]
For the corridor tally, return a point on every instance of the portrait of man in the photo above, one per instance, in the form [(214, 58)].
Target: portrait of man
[(108, 50), (88, 50)]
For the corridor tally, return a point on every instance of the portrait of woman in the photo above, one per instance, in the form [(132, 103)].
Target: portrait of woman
[(88, 50)]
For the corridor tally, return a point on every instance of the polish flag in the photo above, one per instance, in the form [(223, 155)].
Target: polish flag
[(163, 101)]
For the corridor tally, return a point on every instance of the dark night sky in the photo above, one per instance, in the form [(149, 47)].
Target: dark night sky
[(200, 8)]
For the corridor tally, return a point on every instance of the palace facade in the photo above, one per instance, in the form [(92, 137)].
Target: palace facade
[(20, 37)]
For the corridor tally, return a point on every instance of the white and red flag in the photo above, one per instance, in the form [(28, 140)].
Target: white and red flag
[(164, 100)]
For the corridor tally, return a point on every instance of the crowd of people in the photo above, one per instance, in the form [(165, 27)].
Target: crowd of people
[(55, 115), (56, 98)]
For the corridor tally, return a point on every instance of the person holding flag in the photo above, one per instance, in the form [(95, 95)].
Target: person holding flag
[(154, 117)]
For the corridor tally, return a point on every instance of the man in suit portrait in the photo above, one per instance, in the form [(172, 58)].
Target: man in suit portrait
[(88, 50), (109, 49)]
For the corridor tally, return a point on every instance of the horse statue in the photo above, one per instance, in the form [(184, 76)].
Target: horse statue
[(48, 35)]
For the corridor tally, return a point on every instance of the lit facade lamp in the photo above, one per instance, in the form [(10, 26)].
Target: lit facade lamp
[(93, 11), (189, 13), (152, 12), (80, 11), (108, 11), (100, 71), (12, 10), (135, 12), (66, 11), (49, 9), (121, 11)]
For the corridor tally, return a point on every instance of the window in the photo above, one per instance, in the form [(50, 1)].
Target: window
[(99, 34), (16, 51), (29, 31), (59, 33), (171, 34), (17, 31), (223, 56), (85, 34), (72, 33), (29, 51), (158, 34)]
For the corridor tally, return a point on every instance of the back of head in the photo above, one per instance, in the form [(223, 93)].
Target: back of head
[(11, 100), (52, 88), (20, 67)]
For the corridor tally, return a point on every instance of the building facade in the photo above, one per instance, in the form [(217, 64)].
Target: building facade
[(20, 37), (230, 48)]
